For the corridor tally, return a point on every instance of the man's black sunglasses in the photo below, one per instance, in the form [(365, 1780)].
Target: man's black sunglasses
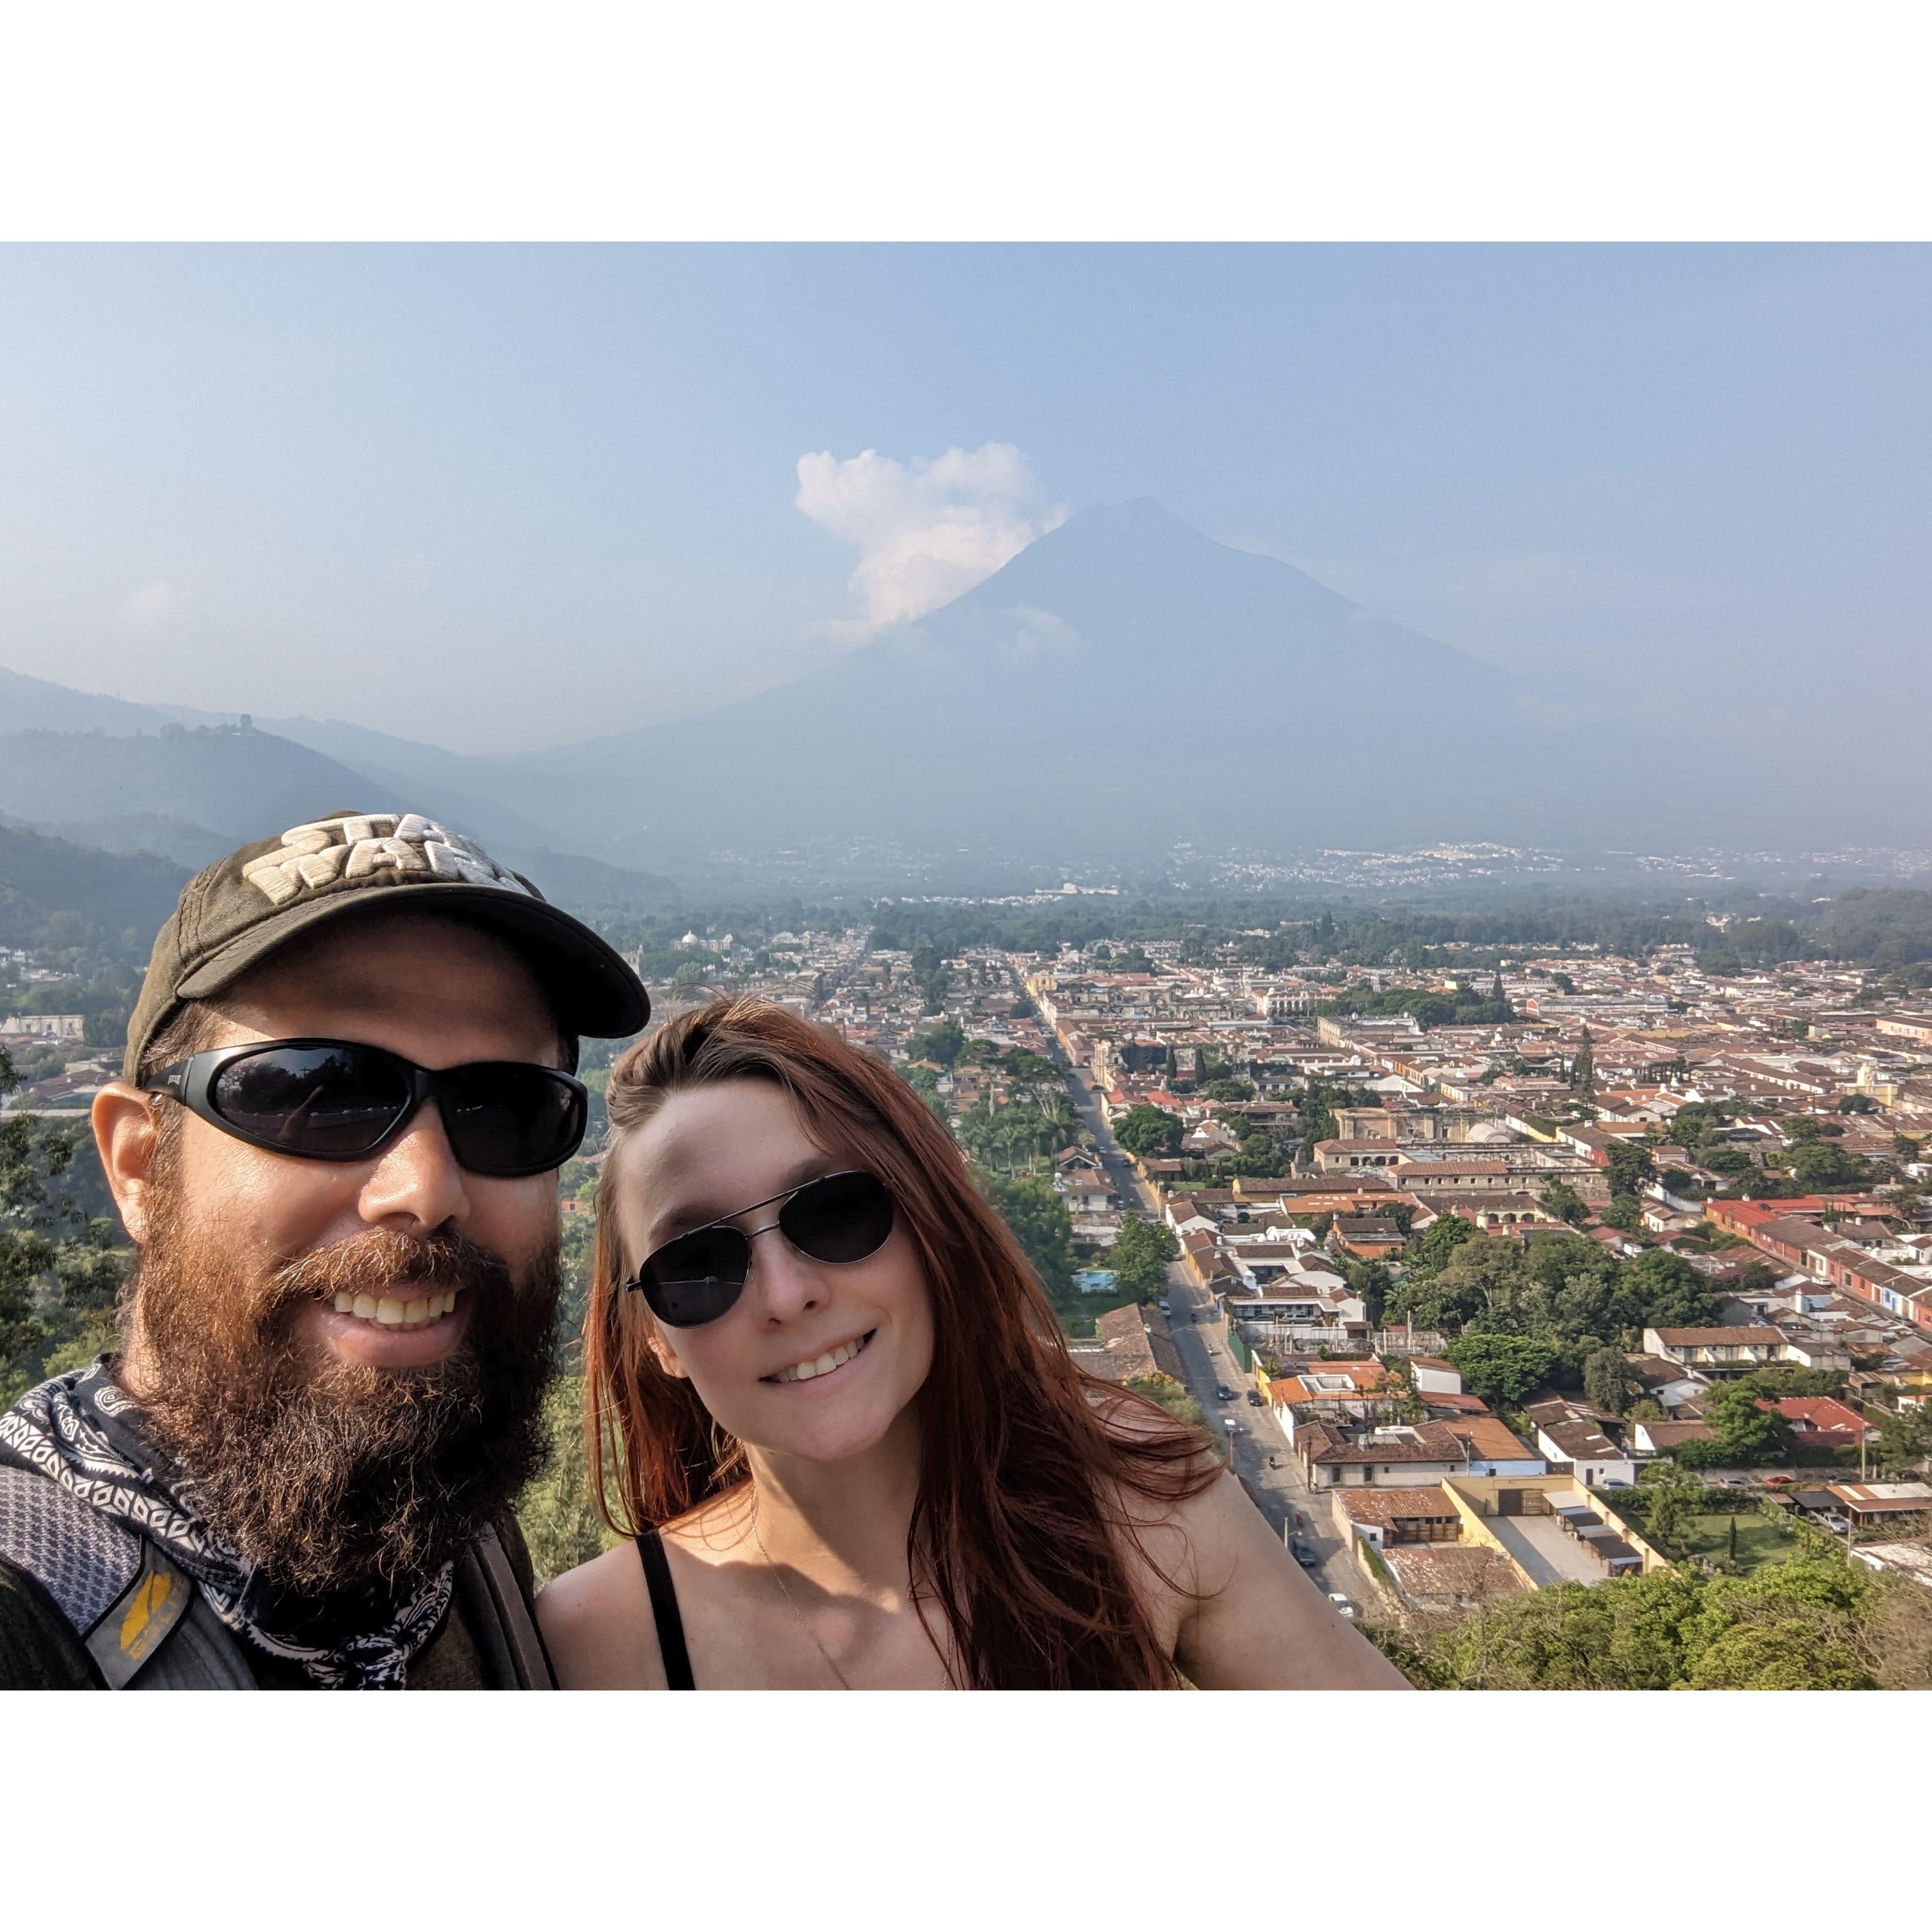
[(697, 1277), (335, 1100)]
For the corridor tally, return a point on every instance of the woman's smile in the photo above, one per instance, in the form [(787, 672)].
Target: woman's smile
[(818, 1367)]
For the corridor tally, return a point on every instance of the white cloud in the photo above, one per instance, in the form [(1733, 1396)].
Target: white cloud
[(148, 605), (927, 531)]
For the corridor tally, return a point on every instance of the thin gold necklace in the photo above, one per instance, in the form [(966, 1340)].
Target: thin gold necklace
[(791, 1603), (784, 1590)]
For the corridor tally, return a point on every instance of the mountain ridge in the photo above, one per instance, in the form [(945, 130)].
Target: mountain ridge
[(1099, 637), (1124, 683)]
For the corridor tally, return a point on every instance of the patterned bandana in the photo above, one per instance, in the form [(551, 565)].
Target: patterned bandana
[(81, 1429)]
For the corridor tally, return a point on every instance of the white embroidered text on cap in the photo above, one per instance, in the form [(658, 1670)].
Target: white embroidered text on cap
[(354, 848)]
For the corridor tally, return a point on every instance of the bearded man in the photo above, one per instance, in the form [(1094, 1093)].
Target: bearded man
[(347, 1089)]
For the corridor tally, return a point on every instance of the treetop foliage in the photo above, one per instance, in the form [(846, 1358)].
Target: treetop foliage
[(1813, 1622), (1568, 1294)]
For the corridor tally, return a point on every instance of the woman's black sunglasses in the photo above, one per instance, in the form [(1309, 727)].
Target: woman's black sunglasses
[(335, 1100), (697, 1277)]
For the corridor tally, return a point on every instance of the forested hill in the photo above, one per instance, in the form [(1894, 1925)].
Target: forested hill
[(53, 893)]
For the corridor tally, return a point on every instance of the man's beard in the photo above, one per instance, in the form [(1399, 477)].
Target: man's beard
[(333, 1476)]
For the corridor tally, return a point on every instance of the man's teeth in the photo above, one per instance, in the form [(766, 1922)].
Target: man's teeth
[(390, 1311), (803, 1372)]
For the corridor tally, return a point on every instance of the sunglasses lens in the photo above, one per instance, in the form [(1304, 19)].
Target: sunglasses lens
[(325, 1101), (843, 1218), (697, 1277), (508, 1117)]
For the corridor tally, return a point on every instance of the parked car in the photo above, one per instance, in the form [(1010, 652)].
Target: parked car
[(1254, 1398), (1836, 1524), (1163, 1307), (1222, 1393), (1302, 1553), (1779, 1482), (1343, 1608)]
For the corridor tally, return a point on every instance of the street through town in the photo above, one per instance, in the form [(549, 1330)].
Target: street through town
[(1261, 1454)]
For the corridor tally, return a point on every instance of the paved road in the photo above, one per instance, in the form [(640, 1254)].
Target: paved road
[(1120, 1171), (1262, 1455), (1205, 1356)]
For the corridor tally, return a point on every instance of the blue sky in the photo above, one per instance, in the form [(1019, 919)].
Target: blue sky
[(504, 496)]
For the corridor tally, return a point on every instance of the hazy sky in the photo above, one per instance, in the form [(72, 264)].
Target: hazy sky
[(501, 497)]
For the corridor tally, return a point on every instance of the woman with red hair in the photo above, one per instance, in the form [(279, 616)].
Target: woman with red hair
[(832, 1408)]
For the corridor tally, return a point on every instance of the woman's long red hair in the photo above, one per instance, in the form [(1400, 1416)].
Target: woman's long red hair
[(1020, 1531)]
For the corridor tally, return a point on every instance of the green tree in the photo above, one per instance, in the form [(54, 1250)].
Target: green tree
[(1664, 1290), (1149, 1132), (1140, 1255), (1607, 1380), (1736, 1165), (1583, 1068), (557, 1510), (1631, 1167), (1508, 1366), (1743, 1435), (1373, 1283), (1042, 1225), (1904, 1438), (1446, 1233), (1820, 1167), (1669, 1505), (60, 1268), (1565, 1203), (1791, 1626), (940, 1044)]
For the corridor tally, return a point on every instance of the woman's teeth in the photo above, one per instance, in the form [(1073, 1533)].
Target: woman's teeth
[(391, 1312), (803, 1372)]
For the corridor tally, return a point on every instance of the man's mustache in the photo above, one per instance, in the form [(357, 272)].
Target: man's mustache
[(384, 1258)]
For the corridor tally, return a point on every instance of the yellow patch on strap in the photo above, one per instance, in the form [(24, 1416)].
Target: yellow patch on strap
[(146, 1620)]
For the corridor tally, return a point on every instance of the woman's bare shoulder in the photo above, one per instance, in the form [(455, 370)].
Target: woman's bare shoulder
[(1173, 1507), (1136, 1422), (597, 1624)]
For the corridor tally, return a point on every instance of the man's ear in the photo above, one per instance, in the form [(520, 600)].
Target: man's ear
[(124, 1134)]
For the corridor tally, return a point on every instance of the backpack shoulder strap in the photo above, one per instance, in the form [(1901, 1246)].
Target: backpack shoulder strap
[(499, 1615), (38, 1649), (200, 1652), (122, 1597), (141, 1619), (86, 1561)]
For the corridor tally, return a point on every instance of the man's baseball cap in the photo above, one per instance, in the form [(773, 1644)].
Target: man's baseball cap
[(239, 910)]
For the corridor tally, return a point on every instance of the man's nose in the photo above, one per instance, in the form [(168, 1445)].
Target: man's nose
[(786, 1282), (416, 1185)]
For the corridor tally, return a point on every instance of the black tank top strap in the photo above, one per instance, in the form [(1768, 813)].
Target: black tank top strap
[(664, 1613)]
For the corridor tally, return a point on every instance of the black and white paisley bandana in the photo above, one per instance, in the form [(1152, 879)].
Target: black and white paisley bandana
[(81, 1430)]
